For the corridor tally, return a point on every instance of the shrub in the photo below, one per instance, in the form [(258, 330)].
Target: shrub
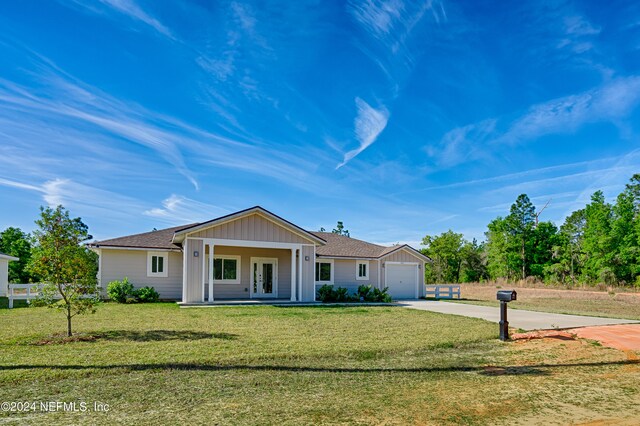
[(342, 295), (364, 293), (326, 293), (120, 291), (147, 295), (381, 295), (124, 292)]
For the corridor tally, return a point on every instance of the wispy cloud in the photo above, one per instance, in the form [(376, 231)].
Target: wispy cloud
[(613, 101), (84, 198), (609, 102), (463, 144), (378, 16), (20, 185), (128, 8), (578, 34), (368, 125), (178, 209), (68, 100), (391, 23), (520, 175)]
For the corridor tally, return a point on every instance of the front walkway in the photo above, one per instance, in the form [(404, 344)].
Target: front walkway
[(526, 320)]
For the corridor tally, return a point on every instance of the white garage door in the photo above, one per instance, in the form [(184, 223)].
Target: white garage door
[(402, 280)]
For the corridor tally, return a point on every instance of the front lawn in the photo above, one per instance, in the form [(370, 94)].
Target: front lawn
[(158, 363)]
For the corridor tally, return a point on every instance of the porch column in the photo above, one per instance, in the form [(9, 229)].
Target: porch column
[(210, 272), (185, 249), (300, 275), (293, 275), (300, 280)]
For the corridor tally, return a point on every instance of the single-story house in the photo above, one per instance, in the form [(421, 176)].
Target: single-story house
[(4, 273), (254, 254)]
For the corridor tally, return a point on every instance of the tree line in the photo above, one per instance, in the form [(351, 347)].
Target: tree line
[(599, 243)]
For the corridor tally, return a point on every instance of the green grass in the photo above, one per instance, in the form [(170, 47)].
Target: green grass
[(575, 302), (158, 363)]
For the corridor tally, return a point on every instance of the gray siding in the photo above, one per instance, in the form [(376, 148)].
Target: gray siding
[(252, 228), (344, 274), (405, 256), (117, 264)]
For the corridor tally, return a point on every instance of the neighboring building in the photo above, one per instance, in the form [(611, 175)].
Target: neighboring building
[(4, 273), (255, 254)]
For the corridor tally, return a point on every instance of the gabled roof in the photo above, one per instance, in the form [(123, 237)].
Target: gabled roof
[(179, 235), (8, 257), (160, 239), (393, 249)]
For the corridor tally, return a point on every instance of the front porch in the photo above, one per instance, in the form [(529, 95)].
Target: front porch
[(238, 271)]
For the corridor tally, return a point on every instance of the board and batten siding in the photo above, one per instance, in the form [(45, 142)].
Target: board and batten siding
[(405, 256), (242, 291), (308, 274), (118, 264), (344, 274), (252, 228), (193, 289)]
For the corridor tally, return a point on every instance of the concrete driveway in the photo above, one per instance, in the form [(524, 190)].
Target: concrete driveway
[(526, 320)]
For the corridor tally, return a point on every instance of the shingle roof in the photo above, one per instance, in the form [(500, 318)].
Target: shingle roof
[(336, 246), (160, 239), (341, 246)]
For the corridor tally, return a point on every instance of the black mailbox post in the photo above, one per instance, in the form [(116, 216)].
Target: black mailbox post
[(505, 296)]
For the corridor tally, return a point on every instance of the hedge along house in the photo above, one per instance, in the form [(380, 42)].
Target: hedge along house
[(255, 254)]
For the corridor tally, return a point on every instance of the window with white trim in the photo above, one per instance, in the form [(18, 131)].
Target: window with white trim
[(226, 269), (157, 264), (362, 270), (324, 271)]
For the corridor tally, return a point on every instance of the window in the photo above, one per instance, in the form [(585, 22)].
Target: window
[(362, 270), (324, 271), (157, 264), (226, 269)]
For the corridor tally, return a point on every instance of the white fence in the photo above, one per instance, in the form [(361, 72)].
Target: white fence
[(32, 291), (443, 291)]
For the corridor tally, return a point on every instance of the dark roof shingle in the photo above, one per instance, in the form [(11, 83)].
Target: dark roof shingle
[(341, 246), (160, 239)]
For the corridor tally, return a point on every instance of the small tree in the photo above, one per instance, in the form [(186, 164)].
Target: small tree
[(66, 267)]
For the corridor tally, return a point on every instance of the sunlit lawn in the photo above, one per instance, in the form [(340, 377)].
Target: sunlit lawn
[(300, 365)]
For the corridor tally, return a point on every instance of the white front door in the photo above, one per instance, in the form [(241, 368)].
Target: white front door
[(264, 277)]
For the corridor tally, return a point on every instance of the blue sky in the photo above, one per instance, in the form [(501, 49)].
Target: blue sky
[(399, 118)]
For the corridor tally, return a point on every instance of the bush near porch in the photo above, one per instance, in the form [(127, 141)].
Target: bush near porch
[(365, 293), (303, 365)]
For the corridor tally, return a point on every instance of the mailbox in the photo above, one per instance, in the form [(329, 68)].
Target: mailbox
[(507, 295)]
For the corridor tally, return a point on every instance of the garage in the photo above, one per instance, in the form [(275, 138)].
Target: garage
[(402, 280)]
